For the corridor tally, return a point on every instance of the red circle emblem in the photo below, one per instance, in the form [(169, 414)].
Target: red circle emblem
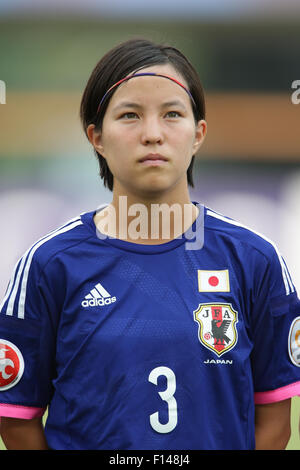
[(11, 364), (213, 281)]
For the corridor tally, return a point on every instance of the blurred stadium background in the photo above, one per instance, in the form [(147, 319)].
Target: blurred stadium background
[(247, 54)]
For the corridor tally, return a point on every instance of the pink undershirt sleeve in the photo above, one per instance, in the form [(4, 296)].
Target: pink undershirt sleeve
[(282, 393), (18, 411)]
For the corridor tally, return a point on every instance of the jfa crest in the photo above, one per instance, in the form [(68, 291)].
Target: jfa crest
[(217, 326)]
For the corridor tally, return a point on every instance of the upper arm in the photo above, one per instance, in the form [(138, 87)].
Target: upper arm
[(23, 434), (272, 425), (27, 342), (275, 321)]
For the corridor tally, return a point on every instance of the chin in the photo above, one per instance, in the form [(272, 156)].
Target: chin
[(155, 187)]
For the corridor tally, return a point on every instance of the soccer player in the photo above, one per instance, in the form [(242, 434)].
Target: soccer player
[(177, 329)]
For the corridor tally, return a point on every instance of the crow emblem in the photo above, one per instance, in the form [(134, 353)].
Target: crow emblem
[(217, 326)]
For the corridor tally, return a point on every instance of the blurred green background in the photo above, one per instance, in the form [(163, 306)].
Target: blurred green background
[(249, 166)]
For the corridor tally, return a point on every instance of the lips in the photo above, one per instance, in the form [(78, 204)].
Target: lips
[(153, 157)]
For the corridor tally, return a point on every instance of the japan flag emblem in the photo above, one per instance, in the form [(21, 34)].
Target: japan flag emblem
[(213, 281), (11, 365)]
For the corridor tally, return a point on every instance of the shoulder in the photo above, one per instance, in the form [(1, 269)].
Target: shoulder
[(240, 233), (255, 246), (64, 237), (26, 276)]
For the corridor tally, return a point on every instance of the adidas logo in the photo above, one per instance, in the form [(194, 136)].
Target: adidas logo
[(98, 297)]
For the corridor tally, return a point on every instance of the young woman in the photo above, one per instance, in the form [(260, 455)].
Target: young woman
[(152, 322)]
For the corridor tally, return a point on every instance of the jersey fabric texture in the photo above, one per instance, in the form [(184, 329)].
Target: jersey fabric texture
[(134, 346)]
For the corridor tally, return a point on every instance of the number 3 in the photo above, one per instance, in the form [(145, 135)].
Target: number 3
[(167, 396)]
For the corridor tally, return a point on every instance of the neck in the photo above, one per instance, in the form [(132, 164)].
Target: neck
[(147, 219)]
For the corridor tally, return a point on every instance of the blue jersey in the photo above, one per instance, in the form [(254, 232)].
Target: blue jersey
[(134, 346)]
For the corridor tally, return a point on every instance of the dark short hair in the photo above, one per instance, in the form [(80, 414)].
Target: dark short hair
[(123, 59)]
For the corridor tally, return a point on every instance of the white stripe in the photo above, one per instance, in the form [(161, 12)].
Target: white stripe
[(12, 282), (10, 306), (21, 307), (10, 285), (289, 277), (95, 294), (285, 275), (102, 291), (14, 286)]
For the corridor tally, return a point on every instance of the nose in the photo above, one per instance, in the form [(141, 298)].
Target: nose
[(152, 132)]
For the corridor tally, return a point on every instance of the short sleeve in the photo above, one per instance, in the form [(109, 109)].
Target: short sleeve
[(27, 342), (275, 323)]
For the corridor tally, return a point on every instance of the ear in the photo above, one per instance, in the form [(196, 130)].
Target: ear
[(200, 133), (95, 138)]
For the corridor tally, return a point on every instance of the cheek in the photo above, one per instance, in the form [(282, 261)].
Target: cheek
[(114, 148), (117, 152), (184, 140), (118, 140)]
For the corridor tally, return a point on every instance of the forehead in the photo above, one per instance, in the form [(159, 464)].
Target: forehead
[(157, 85)]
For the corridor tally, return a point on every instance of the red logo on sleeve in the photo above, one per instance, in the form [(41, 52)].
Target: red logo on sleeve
[(11, 365)]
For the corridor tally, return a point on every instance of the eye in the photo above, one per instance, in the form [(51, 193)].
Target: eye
[(173, 114), (129, 115)]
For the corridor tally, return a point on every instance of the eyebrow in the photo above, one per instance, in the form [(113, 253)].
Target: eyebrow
[(130, 104)]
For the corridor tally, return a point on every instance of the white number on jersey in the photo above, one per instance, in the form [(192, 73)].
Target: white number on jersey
[(168, 396)]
